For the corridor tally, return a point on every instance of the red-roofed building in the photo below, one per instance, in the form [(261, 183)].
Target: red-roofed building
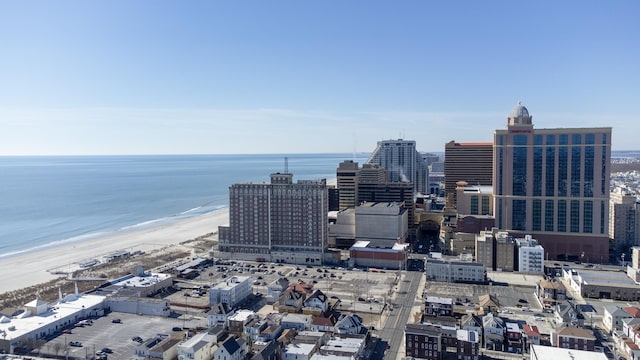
[(632, 311), (531, 335), (325, 324), (570, 337)]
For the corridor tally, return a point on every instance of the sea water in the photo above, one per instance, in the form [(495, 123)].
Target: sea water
[(51, 200)]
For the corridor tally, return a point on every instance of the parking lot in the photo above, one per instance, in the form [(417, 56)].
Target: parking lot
[(115, 336)]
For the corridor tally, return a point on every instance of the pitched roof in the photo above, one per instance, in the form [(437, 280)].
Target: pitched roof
[(488, 300), (231, 345), (323, 321), (575, 332), (531, 330), (633, 311)]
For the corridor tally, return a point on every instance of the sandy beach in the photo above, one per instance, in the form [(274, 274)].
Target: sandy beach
[(31, 268)]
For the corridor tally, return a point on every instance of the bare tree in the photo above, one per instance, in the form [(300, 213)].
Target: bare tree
[(57, 347)]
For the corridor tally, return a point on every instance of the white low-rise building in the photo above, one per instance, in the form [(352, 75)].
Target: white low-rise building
[(200, 347), (455, 271), (40, 319), (232, 291)]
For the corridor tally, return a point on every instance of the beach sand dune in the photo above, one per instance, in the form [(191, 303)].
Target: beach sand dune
[(32, 268)]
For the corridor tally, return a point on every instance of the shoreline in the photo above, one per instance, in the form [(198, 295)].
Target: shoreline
[(31, 268)]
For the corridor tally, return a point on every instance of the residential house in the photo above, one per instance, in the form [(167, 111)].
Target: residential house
[(166, 349), (423, 342), (612, 318), (471, 322), (549, 293), (344, 345), (199, 347), (488, 303), (322, 323), (514, 337), (468, 345), (237, 321), (350, 324), (296, 321), (630, 326), (494, 330), (438, 306), (271, 332), (143, 349), (317, 303), (531, 335), (291, 301), (218, 313), (272, 351), (570, 337), (299, 351), (566, 314), (254, 328), (275, 289), (231, 349)]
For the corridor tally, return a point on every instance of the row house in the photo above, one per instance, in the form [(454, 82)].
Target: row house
[(468, 346), (531, 335), (299, 322), (438, 306), (324, 324), (423, 342), (237, 322), (549, 293), (514, 337), (570, 337)]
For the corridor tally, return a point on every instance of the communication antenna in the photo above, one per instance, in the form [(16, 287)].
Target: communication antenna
[(286, 165)]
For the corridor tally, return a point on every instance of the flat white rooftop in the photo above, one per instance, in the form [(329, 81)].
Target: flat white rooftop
[(141, 281), (19, 326), (539, 352)]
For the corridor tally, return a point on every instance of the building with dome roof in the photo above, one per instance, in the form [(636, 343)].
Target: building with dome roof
[(553, 184)]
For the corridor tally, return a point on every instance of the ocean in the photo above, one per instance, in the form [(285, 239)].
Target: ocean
[(51, 200)]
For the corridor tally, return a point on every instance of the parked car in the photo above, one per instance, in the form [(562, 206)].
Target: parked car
[(75, 343), (106, 350), (66, 331), (137, 339), (116, 321), (176, 328)]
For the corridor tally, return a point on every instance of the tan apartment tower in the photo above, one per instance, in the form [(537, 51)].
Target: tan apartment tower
[(554, 185), (471, 162), (623, 214), (347, 183)]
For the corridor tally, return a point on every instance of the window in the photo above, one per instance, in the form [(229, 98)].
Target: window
[(562, 215), (537, 215), (548, 215), (519, 213)]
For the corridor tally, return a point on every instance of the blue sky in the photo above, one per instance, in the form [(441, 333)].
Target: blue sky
[(175, 77)]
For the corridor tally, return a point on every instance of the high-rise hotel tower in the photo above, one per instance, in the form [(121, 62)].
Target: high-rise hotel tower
[(281, 221), (554, 185), (403, 163)]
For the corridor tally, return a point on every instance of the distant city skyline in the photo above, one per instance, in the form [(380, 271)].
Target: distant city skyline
[(94, 78)]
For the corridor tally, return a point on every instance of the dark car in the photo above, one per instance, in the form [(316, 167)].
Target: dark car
[(137, 339), (75, 343), (106, 350), (116, 321), (523, 301), (176, 328)]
